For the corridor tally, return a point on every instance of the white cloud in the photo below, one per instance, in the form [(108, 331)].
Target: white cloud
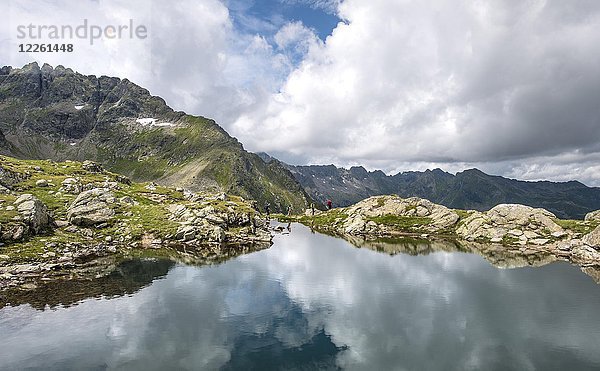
[(329, 6), (295, 34), (440, 82), (504, 86)]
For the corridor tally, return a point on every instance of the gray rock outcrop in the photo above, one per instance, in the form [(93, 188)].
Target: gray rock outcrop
[(33, 212), (439, 217), (592, 238), (593, 216), (211, 224), (516, 222), (71, 185), (92, 207), (585, 255), (92, 167), (9, 178)]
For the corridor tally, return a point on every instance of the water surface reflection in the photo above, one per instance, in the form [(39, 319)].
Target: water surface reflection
[(315, 301)]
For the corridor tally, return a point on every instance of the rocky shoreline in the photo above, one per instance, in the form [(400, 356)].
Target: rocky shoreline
[(75, 220), (507, 228), (71, 221)]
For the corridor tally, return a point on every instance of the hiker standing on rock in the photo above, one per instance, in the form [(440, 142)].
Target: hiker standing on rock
[(289, 211), (312, 209), (329, 203), (268, 209)]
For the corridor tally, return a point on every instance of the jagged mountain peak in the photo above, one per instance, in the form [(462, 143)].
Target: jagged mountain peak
[(67, 115), (469, 189)]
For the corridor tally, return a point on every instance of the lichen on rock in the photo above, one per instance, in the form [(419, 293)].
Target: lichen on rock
[(92, 207), (593, 216), (519, 222), (33, 212)]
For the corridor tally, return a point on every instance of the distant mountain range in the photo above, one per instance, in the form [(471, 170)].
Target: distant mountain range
[(56, 113), (470, 189)]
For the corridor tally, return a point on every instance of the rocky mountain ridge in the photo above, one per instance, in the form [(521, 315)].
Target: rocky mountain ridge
[(59, 114), (469, 189)]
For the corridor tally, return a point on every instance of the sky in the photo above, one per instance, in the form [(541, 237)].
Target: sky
[(510, 87)]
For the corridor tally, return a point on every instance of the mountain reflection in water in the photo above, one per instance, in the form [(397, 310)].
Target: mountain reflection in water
[(314, 301)]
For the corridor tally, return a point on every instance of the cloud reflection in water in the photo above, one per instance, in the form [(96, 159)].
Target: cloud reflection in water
[(313, 300)]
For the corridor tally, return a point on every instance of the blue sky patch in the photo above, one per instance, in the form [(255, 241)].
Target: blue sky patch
[(265, 17)]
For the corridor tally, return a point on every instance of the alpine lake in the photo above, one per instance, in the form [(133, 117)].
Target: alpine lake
[(313, 301)]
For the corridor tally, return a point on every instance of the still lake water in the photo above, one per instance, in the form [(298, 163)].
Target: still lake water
[(315, 302)]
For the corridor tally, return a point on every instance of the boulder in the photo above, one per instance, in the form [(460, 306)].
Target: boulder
[(217, 234), (42, 183), (440, 216), (355, 225), (122, 179), (521, 216), (13, 231), (71, 185), (593, 216), (4, 190), (92, 207), (592, 238), (9, 178), (92, 167), (520, 221), (203, 222), (33, 212), (186, 233), (585, 255)]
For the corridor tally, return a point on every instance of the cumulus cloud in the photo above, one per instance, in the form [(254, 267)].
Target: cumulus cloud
[(326, 5), (194, 57), (508, 86), (439, 82)]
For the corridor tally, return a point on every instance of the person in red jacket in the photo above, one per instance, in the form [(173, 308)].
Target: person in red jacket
[(329, 203)]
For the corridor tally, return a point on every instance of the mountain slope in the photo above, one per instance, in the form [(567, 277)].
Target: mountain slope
[(470, 189), (59, 114)]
